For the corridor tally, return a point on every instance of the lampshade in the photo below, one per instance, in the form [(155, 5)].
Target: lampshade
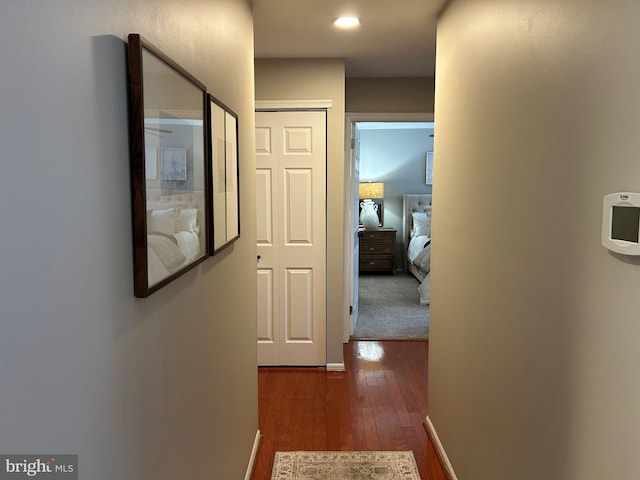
[(371, 190)]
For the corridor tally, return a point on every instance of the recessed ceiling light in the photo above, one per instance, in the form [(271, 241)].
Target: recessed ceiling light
[(346, 22)]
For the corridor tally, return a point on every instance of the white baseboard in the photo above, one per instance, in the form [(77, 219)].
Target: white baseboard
[(437, 444), (335, 367), (254, 454)]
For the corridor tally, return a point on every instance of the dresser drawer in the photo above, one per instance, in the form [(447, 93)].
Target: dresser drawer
[(377, 250), (377, 263), (379, 236)]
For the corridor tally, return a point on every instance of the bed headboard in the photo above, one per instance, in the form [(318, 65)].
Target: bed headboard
[(412, 202), (185, 200)]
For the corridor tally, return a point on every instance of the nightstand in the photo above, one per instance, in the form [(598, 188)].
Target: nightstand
[(378, 250)]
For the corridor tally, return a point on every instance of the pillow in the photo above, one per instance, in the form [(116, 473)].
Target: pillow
[(162, 221), (187, 220), (421, 224)]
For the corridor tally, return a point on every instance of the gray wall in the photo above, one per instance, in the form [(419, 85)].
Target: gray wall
[(396, 95), (397, 158), (319, 79), (157, 388), (533, 368)]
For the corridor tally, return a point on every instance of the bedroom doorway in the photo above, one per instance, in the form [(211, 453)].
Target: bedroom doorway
[(402, 172)]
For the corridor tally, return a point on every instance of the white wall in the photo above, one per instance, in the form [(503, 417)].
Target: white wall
[(395, 156), (534, 325), (157, 388)]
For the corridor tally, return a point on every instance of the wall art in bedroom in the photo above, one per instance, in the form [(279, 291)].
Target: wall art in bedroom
[(428, 166), (167, 115), (223, 148)]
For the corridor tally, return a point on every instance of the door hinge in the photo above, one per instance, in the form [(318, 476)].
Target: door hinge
[(350, 309), (353, 143)]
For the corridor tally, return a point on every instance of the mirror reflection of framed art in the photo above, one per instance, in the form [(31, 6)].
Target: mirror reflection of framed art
[(169, 167)]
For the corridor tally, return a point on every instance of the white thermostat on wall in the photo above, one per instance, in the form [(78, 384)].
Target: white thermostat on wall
[(621, 222)]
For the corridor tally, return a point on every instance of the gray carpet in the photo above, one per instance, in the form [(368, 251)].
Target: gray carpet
[(389, 308)]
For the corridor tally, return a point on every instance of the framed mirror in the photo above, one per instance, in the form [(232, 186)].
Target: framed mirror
[(170, 169), (223, 124)]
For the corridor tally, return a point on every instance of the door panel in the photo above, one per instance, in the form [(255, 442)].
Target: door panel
[(298, 204), (297, 141), (291, 209), (264, 208), (267, 236), (267, 329), (263, 140), (299, 301)]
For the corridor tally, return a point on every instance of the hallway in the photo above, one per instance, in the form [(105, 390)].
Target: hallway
[(379, 403)]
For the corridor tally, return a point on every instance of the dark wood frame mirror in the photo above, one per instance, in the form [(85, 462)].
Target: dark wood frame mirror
[(170, 167)]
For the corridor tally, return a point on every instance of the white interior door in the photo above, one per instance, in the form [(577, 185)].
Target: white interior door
[(291, 229)]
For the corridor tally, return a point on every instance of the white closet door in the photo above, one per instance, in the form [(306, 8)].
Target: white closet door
[(291, 226)]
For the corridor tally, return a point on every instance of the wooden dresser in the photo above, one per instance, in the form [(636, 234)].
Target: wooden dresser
[(378, 250)]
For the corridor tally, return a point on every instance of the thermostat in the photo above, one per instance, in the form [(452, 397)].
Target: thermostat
[(621, 222)]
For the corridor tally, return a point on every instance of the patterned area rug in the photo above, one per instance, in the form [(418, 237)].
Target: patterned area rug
[(345, 466)]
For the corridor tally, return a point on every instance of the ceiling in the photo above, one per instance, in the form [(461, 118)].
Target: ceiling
[(396, 38)]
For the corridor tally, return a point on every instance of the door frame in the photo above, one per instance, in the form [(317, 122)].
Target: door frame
[(351, 118)]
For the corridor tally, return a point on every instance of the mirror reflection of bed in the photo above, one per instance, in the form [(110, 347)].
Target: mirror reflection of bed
[(175, 237), (174, 149)]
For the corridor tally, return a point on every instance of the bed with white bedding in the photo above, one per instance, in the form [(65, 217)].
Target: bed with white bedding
[(175, 233), (416, 221)]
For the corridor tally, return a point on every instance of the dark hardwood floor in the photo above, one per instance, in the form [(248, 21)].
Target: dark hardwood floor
[(379, 403)]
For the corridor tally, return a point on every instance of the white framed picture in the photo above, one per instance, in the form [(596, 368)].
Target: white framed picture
[(174, 163), (429, 168)]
